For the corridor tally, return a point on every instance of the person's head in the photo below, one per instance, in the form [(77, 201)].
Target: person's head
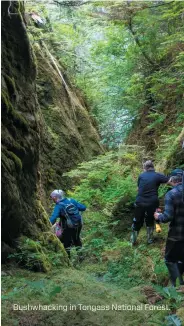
[(176, 177), (148, 166), (57, 195)]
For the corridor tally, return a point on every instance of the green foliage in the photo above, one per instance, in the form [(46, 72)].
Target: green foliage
[(126, 63), (173, 320), (40, 255), (157, 120), (174, 299), (169, 153), (162, 190), (161, 272), (118, 81), (34, 288), (105, 180), (129, 61), (31, 255), (122, 271)]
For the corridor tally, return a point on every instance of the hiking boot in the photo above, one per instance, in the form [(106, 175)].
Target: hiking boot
[(174, 273), (133, 237), (150, 230)]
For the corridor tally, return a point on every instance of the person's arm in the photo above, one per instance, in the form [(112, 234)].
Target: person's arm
[(168, 214), (163, 178), (55, 214), (138, 181), (81, 207)]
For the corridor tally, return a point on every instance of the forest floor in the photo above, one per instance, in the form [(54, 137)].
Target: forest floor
[(114, 285)]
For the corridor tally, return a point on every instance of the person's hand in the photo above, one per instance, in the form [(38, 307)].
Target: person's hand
[(53, 228), (156, 216), (170, 183)]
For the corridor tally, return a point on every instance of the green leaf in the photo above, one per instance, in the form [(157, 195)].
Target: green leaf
[(55, 290), (173, 320)]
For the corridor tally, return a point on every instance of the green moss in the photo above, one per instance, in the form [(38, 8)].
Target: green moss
[(43, 254), (6, 162), (16, 159), (29, 244), (31, 255), (41, 213), (10, 83), (51, 176), (40, 223), (17, 146), (13, 114), (52, 242), (19, 119), (5, 100), (74, 287)]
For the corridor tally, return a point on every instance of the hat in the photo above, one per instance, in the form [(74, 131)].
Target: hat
[(176, 172), (57, 193)]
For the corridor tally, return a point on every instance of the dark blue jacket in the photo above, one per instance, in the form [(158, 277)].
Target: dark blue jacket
[(59, 208), (148, 184), (174, 213)]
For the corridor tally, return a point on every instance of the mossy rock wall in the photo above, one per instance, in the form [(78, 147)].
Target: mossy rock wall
[(38, 145), (68, 135), (20, 130)]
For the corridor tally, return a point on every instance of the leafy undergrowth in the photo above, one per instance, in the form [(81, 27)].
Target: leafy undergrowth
[(112, 273), (116, 259)]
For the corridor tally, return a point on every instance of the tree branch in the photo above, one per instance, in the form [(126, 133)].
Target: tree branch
[(150, 61)]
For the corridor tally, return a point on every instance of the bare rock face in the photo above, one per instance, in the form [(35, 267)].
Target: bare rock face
[(39, 142)]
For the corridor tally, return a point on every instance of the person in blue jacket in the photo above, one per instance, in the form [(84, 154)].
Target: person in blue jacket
[(68, 209)]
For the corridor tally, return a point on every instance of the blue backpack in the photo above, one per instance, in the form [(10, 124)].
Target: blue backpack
[(72, 215)]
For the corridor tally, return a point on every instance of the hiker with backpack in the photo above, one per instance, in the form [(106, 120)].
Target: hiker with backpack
[(147, 201), (68, 209), (174, 213)]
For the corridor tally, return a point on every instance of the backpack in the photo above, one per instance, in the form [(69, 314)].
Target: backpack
[(73, 218)]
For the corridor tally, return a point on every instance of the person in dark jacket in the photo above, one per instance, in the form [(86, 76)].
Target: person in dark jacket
[(174, 213), (71, 235), (147, 200)]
